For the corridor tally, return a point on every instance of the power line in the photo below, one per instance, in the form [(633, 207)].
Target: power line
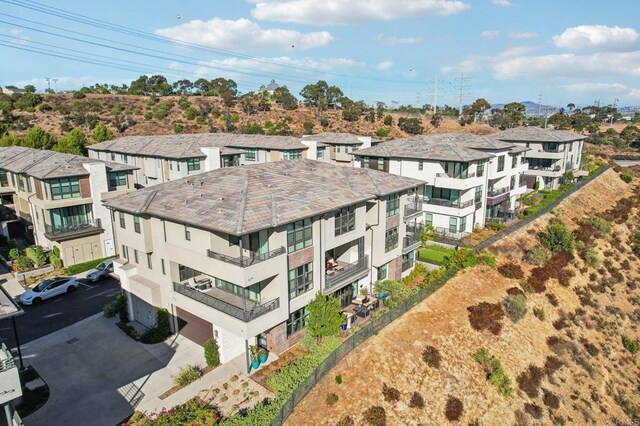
[(463, 90)]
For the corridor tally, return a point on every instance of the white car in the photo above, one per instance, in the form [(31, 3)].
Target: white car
[(48, 289), (101, 272)]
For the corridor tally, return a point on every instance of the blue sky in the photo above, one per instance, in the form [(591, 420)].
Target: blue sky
[(375, 50)]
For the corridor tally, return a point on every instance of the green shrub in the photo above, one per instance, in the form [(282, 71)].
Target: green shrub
[(14, 253), (630, 344), (557, 237), (382, 132), (537, 255), (178, 128), (487, 258), (190, 113), (495, 226), (339, 379), (129, 330), (539, 313), (54, 257), (460, 259), (79, 95), (516, 306), (188, 375), (627, 177), (85, 266), (37, 255), (591, 258), (212, 353), (160, 331), (602, 225), (117, 306), (495, 374), (24, 263)]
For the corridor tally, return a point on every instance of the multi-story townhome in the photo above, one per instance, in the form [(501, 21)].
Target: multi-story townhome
[(339, 147), (552, 153), (59, 196), (468, 179), (238, 253), (164, 158)]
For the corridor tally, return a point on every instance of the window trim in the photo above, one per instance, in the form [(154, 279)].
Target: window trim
[(193, 164), (67, 188)]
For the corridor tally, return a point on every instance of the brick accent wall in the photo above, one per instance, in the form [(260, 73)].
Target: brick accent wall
[(394, 271), (277, 339), (392, 221), (85, 187), (301, 257), (39, 192)]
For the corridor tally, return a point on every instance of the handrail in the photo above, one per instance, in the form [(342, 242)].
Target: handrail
[(351, 270), (245, 261), (74, 227), (448, 203), (496, 192), (464, 176)]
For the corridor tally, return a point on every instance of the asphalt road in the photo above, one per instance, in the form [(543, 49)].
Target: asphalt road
[(60, 312)]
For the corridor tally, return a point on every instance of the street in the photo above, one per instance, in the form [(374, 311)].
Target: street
[(60, 312)]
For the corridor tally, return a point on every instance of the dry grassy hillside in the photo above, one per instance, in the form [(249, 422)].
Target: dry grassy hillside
[(566, 361), (109, 108)]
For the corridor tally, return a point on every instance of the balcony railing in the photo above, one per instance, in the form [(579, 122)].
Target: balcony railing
[(462, 176), (245, 261), (413, 206), (348, 272), (448, 203), (446, 236), (411, 241), (496, 192), (73, 227), (545, 169), (241, 313)]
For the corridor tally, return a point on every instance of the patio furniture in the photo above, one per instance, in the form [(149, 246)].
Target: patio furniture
[(359, 299), (362, 311), (203, 285)]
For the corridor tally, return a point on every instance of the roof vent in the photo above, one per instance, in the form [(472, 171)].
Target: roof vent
[(221, 199)]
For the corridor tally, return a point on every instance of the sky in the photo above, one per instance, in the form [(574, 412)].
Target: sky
[(392, 51)]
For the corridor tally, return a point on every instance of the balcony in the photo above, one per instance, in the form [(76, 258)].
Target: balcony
[(445, 236), (461, 182), (497, 192), (448, 203), (451, 176), (240, 308), (497, 196), (411, 242), (413, 207), (10, 387), (346, 273), (82, 228), (245, 261)]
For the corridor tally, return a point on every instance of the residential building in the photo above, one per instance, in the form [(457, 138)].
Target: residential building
[(552, 153), (164, 158), (469, 179), (59, 197), (238, 253), (339, 147)]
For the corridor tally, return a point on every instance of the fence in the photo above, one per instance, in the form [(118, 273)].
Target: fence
[(366, 330), (527, 220)]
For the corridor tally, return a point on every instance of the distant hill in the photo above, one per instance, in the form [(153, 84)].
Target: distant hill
[(533, 108)]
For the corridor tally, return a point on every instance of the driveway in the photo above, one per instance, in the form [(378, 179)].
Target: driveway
[(91, 367)]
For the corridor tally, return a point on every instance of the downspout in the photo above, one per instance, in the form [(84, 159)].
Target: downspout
[(371, 250), (33, 215)]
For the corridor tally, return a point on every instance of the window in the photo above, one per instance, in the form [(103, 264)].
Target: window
[(149, 261), (446, 194), (345, 220), (480, 169), (514, 161), (407, 261), (70, 217), (382, 272), (170, 165), (393, 204), (453, 224), (501, 163), (164, 272), (513, 183), (463, 224), (125, 158), (13, 179), (390, 239), (380, 164), (113, 156), (457, 170), (187, 233), (250, 154), (571, 147), (24, 183), (234, 240), (320, 153), (3, 178), (297, 320), (299, 235), (117, 179), (177, 165), (420, 165), (294, 154), (123, 223), (337, 148), (250, 293), (478, 196), (125, 252), (136, 224), (193, 164), (135, 256), (64, 188), (428, 219), (366, 162), (300, 280)]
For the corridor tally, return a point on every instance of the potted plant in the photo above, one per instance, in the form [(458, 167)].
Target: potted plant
[(263, 355), (255, 356), (364, 291)]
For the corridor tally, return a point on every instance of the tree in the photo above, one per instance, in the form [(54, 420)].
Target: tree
[(30, 88), (325, 316), (413, 126), (380, 106), (183, 87), (202, 86), (557, 237), (284, 98), (308, 127), (225, 88), (480, 105), (436, 119), (515, 113), (101, 133), (388, 120), (630, 133), (560, 121), (334, 94), (158, 85), (315, 95), (571, 106), (38, 138), (74, 143), (139, 86), (352, 111)]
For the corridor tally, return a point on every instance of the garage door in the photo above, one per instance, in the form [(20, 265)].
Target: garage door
[(194, 328), (143, 312)]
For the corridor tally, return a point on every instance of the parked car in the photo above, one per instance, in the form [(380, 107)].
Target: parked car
[(48, 289), (101, 272)]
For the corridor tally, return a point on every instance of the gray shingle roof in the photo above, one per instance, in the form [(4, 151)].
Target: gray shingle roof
[(240, 200), (538, 134), (188, 145), (438, 147), (333, 138), (44, 164)]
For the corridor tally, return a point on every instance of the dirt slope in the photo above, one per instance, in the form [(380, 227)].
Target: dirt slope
[(598, 380)]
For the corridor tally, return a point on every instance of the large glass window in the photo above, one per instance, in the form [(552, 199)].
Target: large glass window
[(69, 217), (452, 195), (117, 179), (480, 169), (64, 188), (250, 154), (463, 224), (24, 183), (250, 293), (3, 178), (407, 261), (393, 204), (391, 239), (428, 219), (123, 223), (300, 280), (382, 272), (299, 235), (345, 220), (293, 154), (501, 163), (514, 161), (478, 195), (136, 224), (297, 320), (457, 170), (193, 164), (320, 153), (453, 225)]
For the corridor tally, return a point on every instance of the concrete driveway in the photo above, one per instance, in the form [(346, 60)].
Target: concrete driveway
[(96, 374)]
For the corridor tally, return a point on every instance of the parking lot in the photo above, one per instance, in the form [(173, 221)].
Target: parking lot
[(60, 312)]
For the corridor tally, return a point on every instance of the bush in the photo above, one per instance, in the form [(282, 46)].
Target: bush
[(529, 381), (495, 226), (516, 307), (460, 259), (630, 344), (129, 330), (539, 313), (627, 177), (454, 409), (487, 258), (339, 379), (390, 394), (79, 95), (486, 316), (54, 257), (533, 410), (550, 400), (382, 132), (591, 257), (557, 237), (510, 270), (601, 224), (212, 352), (117, 306), (346, 421), (84, 266), (416, 401), (15, 253), (188, 375), (161, 331), (431, 356), (332, 398), (537, 255), (495, 374)]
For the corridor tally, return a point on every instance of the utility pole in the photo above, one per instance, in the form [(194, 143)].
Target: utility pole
[(435, 95), (615, 102), (48, 83), (463, 91), (55, 84)]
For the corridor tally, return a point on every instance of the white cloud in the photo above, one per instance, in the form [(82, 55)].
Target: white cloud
[(503, 3), (490, 35), (467, 65), (516, 51), (394, 40), (243, 34), (605, 90), (523, 35), (384, 66), (334, 12), (569, 66), (597, 37)]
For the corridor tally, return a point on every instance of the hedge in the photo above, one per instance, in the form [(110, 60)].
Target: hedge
[(85, 266)]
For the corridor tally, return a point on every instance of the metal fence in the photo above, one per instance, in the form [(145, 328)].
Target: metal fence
[(366, 330)]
